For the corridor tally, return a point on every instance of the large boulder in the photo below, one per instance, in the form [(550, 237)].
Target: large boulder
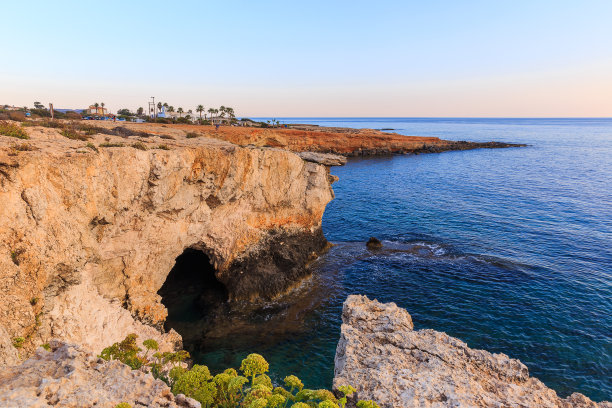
[(386, 360)]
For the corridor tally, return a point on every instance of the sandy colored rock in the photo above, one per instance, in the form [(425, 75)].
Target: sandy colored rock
[(88, 233), (68, 377), (386, 360)]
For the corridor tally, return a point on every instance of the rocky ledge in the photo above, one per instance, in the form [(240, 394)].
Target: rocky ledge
[(386, 360), (90, 229), (67, 376)]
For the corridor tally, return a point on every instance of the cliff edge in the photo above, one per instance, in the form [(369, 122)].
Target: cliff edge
[(386, 360), (90, 229)]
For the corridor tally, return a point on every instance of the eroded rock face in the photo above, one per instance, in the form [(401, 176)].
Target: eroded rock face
[(87, 237), (387, 361), (67, 376)]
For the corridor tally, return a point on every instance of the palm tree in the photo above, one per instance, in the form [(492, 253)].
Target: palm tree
[(170, 108), (166, 105), (222, 110), (140, 111), (230, 112), (180, 111), (159, 106), (211, 111), (102, 106), (200, 109)]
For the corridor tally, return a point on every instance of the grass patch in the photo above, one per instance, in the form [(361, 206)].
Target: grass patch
[(107, 144), (53, 124), (92, 147), (46, 346), (34, 301), (139, 146), (166, 137), (12, 130), (163, 147), (192, 135), (18, 342)]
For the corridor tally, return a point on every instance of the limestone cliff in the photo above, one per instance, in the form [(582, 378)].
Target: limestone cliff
[(386, 360), (89, 230)]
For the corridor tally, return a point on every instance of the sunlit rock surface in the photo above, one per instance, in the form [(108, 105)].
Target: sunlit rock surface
[(386, 360), (88, 234), (67, 376)]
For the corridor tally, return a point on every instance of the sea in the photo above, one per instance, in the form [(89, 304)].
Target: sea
[(509, 250)]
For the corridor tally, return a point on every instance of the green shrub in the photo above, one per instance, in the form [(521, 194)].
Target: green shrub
[(139, 146), (46, 346), (198, 384), (123, 405), (367, 404), (191, 135), (12, 130), (163, 147), (92, 147), (168, 137), (18, 342), (226, 389)]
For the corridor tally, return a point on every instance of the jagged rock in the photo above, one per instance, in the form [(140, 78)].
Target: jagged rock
[(387, 361), (326, 159), (88, 234), (67, 376), (374, 243)]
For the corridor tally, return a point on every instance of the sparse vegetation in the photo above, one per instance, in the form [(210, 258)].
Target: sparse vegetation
[(139, 146), (191, 135), (166, 137), (23, 147), (253, 389), (34, 301), (15, 257), (73, 134), (163, 147), (12, 130), (108, 144), (18, 342), (123, 405), (46, 346), (92, 147)]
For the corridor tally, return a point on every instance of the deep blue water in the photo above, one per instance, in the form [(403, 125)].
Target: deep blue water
[(509, 250)]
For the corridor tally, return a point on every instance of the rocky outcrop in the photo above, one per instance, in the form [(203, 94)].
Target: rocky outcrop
[(314, 139), (67, 376), (386, 360), (89, 230)]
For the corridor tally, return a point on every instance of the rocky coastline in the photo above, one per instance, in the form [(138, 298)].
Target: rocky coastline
[(386, 360), (90, 229)]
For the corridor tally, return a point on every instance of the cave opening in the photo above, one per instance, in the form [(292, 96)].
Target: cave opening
[(192, 294)]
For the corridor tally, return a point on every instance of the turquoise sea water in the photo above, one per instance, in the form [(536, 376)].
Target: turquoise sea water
[(509, 250)]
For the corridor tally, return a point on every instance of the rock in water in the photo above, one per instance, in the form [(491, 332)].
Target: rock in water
[(374, 243), (387, 361), (67, 376)]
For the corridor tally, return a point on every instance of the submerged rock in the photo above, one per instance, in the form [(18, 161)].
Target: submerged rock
[(67, 376), (387, 361), (374, 243)]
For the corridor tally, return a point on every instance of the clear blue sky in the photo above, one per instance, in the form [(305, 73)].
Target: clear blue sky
[(315, 58)]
